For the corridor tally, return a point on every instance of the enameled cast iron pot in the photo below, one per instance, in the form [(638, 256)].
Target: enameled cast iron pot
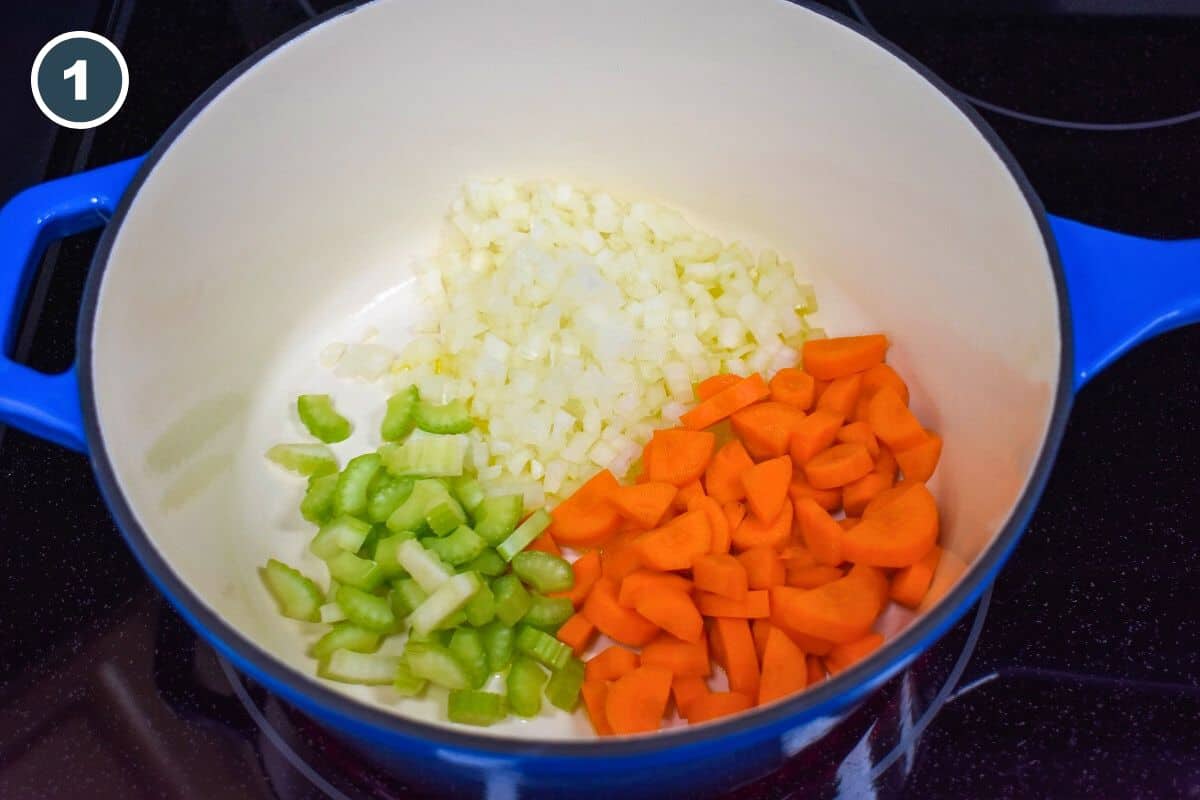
[(282, 210)]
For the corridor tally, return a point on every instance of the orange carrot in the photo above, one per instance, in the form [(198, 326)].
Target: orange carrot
[(856, 495), (716, 705), (723, 478), (811, 577), (587, 570), (754, 533), (820, 532), (766, 487), (734, 514), (681, 658), (766, 428), (797, 555), (636, 702), (819, 388), (847, 523), (839, 465), (642, 581), (760, 629), (840, 611), (725, 402), (686, 495), (676, 544), (892, 422), (885, 498), (784, 670), (810, 644), (919, 461), (595, 694), (610, 663), (614, 620), (886, 464), (621, 556), (674, 612), (828, 499), (860, 432), (843, 656), (717, 383), (827, 359), (578, 632), (897, 534), (546, 544), (794, 387), (741, 662), (882, 375), (718, 524), (910, 584), (816, 670), (763, 566), (816, 432), (586, 518), (756, 605), (842, 395), (677, 456), (686, 690), (721, 574), (644, 503)]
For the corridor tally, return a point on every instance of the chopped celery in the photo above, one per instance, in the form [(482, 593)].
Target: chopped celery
[(498, 640), (548, 613), (322, 420), (512, 600), (345, 636), (410, 514), (563, 689), (386, 554), (407, 594), (467, 646), (448, 598), (481, 609), (455, 620), (467, 491), (351, 495), (459, 547), (366, 610), (435, 663), (475, 708), (543, 571), (450, 418), (305, 459), (525, 533), (332, 612), (542, 647), (297, 596), (524, 685), (425, 567), (341, 533), (488, 563), (405, 682), (353, 571), (428, 456), (445, 515), (367, 548), (348, 666), (497, 517), (398, 421), (386, 494), (317, 505)]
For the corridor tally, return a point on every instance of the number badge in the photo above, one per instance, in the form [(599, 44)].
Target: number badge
[(79, 80)]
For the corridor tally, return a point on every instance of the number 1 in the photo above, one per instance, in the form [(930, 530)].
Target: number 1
[(78, 73)]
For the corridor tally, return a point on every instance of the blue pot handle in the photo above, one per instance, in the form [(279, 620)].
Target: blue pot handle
[(47, 405), (1123, 290)]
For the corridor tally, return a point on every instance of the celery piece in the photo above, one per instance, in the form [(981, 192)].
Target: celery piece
[(481, 609), (525, 533), (406, 683), (455, 620), (309, 460), (542, 647), (472, 707), (345, 636), (543, 571), (459, 547), (297, 596), (410, 514), (488, 563), (497, 517), (386, 554), (445, 516), (361, 573), (447, 599), (563, 689), (512, 600), (398, 421), (385, 494), (428, 456), (468, 491), (331, 612), (366, 610), (351, 495), (317, 505), (347, 666), (466, 645), (425, 567), (407, 594), (548, 613), (340, 533), (498, 640), (435, 663), (367, 548), (322, 420), (524, 687), (449, 418)]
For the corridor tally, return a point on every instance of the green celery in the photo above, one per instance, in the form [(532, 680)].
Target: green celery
[(398, 421), (435, 663), (449, 418), (525, 533), (563, 689), (481, 609), (474, 708), (548, 613), (543, 571), (497, 517), (425, 567), (307, 459), (488, 563), (429, 456), (407, 594), (361, 573), (340, 533), (386, 494), (366, 610), (445, 516), (406, 683), (351, 495), (466, 645), (345, 636), (347, 666), (524, 687), (498, 642), (317, 505), (444, 601), (322, 420), (468, 491), (459, 547), (542, 646), (386, 554), (410, 515), (512, 600), (296, 595)]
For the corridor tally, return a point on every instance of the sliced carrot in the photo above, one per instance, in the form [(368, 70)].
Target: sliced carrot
[(860, 432), (644, 580), (644, 503), (716, 705), (856, 495), (678, 543), (811, 577), (816, 432), (847, 523), (766, 428), (839, 465), (874, 581), (842, 395), (716, 384), (844, 656), (910, 584), (677, 456), (683, 659), (721, 574), (578, 632), (828, 499), (919, 461), (716, 648), (892, 422), (723, 478), (821, 533), (882, 375), (764, 567), (686, 690), (614, 620), (726, 402), (686, 495), (794, 387), (819, 388), (674, 612), (595, 693), (756, 605), (620, 556), (741, 662), (816, 670), (636, 702), (734, 514), (754, 533), (896, 535), (587, 518), (885, 498), (587, 570), (797, 555), (827, 359), (760, 629), (766, 487), (546, 544), (886, 464), (784, 670), (840, 611), (718, 524), (809, 644), (610, 663)]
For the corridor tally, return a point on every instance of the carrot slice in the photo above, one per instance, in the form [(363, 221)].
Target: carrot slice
[(919, 461), (754, 533), (839, 465), (587, 570), (840, 611), (610, 663), (683, 659), (674, 612), (721, 574), (578, 632), (882, 375), (763, 566), (595, 694), (644, 503), (716, 384), (741, 662), (686, 690), (756, 605), (614, 620), (827, 359), (812, 435), (725, 402), (844, 656), (716, 705), (765, 428), (621, 556), (897, 534), (812, 576), (546, 544), (678, 543), (636, 702), (875, 580), (686, 495), (723, 478), (717, 523), (586, 518), (856, 495), (677, 456), (783, 668), (794, 387), (860, 432), (797, 555), (910, 584), (819, 388), (892, 422), (760, 629), (841, 396), (886, 463), (809, 644), (879, 501), (734, 514), (828, 499), (816, 670), (643, 581), (821, 533), (847, 523), (766, 487)]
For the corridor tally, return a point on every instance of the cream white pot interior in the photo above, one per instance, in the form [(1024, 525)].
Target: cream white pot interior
[(287, 213)]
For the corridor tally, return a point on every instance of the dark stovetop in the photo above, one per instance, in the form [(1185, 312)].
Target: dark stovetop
[(1085, 681)]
